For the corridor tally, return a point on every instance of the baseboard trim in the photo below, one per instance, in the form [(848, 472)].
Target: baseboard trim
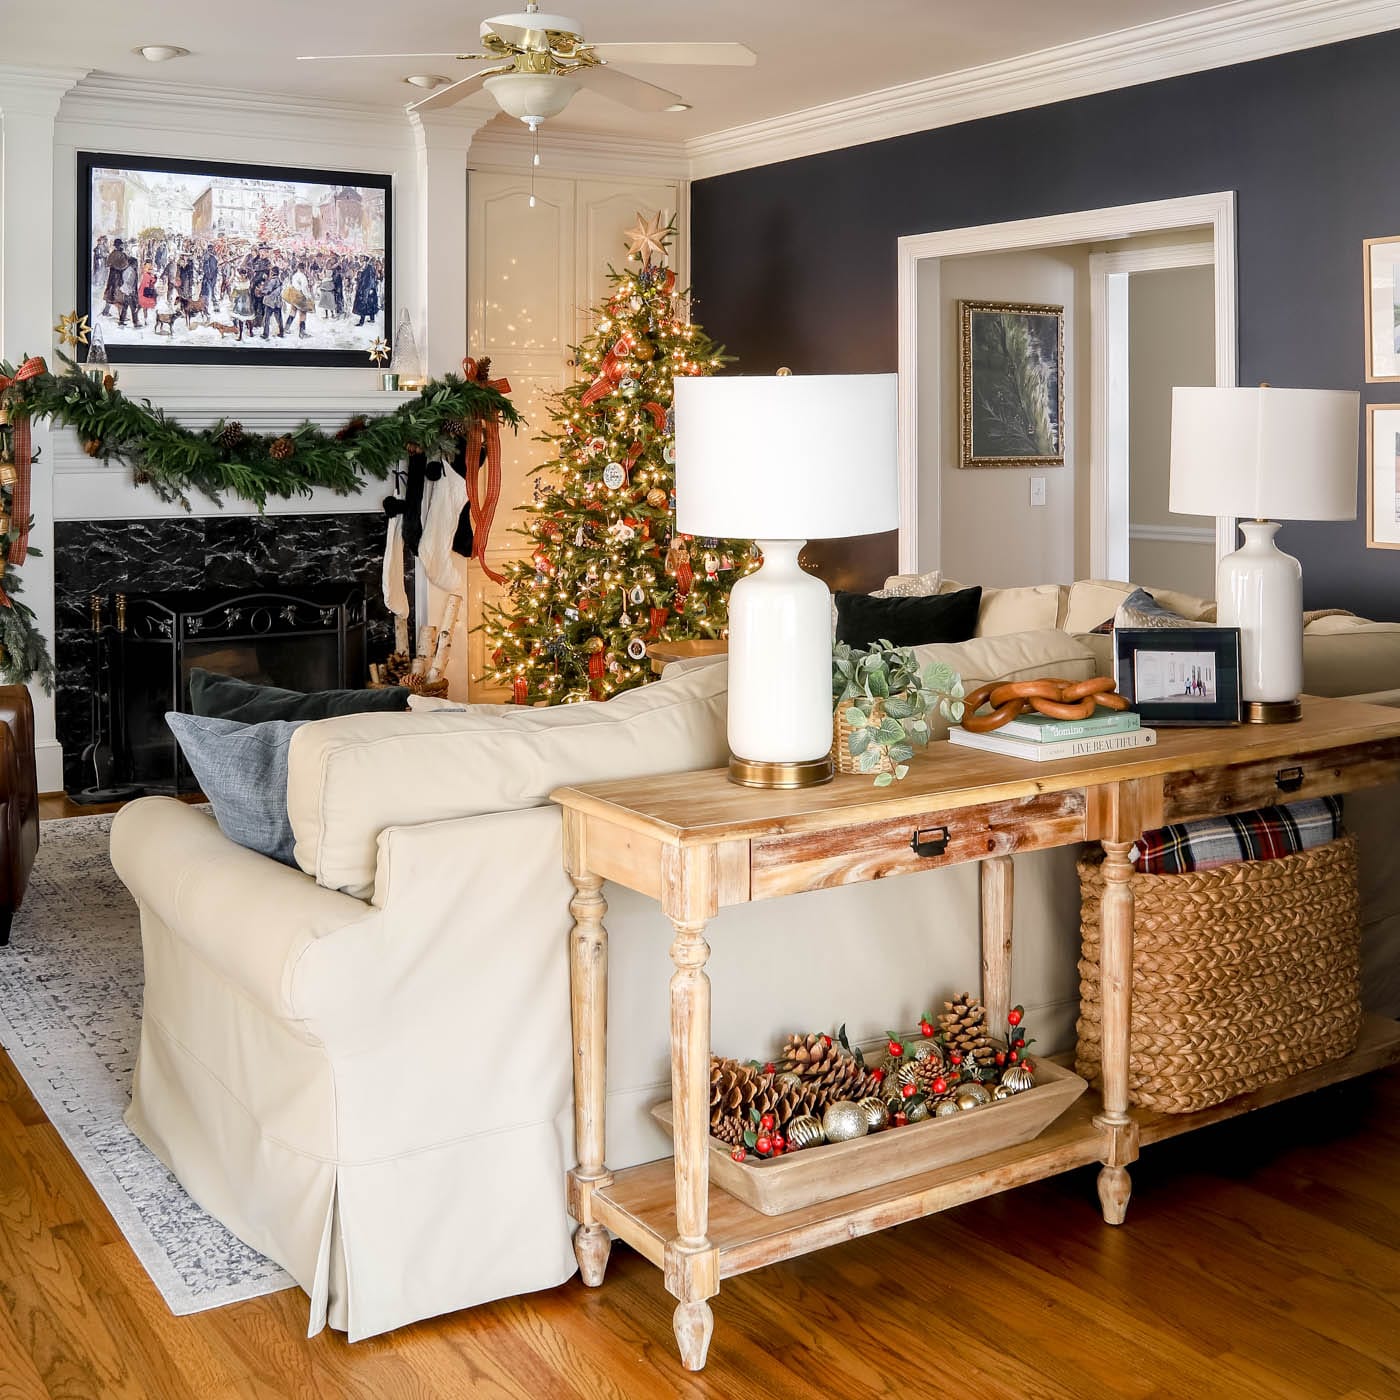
[(48, 766)]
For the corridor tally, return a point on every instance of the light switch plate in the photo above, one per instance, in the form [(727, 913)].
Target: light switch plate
[(1037, 490)]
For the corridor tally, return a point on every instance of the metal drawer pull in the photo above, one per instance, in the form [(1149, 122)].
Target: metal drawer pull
[(1289, 779), (930, 841)]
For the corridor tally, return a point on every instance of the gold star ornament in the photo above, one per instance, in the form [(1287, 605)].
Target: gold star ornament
[(648, 237), (379, 351), (72, 330)]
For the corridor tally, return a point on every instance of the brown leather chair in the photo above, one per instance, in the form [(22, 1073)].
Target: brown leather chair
[(19, 801)]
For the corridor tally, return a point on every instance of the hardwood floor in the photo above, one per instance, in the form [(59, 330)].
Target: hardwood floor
[(1260, 1261), (55, 805)]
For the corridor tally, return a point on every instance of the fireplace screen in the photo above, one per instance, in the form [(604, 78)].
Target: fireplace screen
[(309, 641)]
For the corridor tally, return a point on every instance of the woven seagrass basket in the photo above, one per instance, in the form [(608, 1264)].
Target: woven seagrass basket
[(1242, 975), (841, 733)]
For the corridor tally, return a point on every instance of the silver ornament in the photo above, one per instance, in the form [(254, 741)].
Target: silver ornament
[(1001, 1092), (805, 1131), (876, 1114), (946, 1109), (1018, 1078), (613, 475), (843, 1121), (917, 1110)]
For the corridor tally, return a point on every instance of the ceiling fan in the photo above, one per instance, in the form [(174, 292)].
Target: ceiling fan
[(542, 60)]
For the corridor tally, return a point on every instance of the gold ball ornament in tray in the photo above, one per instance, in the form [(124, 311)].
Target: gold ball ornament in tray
[(816, 1122)]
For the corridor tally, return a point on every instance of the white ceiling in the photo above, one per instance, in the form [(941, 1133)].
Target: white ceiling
[(809, 51)]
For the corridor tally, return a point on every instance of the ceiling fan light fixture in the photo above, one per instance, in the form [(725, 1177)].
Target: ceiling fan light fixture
[(160, 53), (530, 95), (679, 107)]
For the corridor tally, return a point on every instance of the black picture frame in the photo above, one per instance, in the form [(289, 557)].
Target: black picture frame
[(154, 349), (1158, 659)]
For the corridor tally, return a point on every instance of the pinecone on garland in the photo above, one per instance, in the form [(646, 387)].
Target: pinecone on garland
[(962, 1027), (282, 448), (230, 435), (458, 427)]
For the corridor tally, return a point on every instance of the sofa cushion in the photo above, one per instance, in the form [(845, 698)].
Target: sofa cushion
[(862, 619), (1019, 656), (1141, 610), (227, 697), (1035, 608), (351, 778), (910, 585), (1092, 602), (1350, 656), (242, 770)]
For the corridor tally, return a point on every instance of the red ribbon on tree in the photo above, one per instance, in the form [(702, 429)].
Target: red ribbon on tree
[(658, 621), (658, 414), (482, 501), (520, 690), (20, 508), (610, 371), (596, 666)]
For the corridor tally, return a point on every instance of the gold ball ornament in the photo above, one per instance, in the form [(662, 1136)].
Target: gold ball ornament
[(805, 1131), (844, 1121), (1018, 1079), (644, 350), (656, 498), (786, 1082), (1001, 1093), (917, 1110), (876, 1114), (923, 1050), (593, 644), (945, 1108)]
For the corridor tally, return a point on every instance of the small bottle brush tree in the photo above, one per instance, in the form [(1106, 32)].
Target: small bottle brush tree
[(607, 574)]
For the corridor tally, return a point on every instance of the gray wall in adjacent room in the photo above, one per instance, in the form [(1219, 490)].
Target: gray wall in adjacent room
[(794, 264)]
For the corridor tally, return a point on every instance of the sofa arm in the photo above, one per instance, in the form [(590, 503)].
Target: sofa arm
[(249, 917)]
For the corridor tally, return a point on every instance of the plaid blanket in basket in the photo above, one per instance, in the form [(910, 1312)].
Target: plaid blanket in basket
[(1264, 834)]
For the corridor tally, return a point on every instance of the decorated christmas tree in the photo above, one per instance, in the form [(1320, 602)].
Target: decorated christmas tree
[(608, 576)]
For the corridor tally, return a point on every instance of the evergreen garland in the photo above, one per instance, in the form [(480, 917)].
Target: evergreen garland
[(174, 460)]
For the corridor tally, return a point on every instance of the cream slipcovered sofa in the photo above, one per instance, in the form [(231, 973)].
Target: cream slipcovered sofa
[(362, 1066)]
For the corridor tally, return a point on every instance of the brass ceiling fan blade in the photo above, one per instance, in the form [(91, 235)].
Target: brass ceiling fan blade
[(324, 57), (455, 92), (630, 91), (698, 55)]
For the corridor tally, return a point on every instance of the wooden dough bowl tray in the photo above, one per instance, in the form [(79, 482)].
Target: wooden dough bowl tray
[(818, 1174)]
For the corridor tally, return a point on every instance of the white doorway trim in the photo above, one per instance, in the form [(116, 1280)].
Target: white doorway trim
[(1215, 211), (1110, 528)]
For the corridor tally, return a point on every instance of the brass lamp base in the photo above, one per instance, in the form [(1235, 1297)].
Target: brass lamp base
[(1272, 711), (807, 773)]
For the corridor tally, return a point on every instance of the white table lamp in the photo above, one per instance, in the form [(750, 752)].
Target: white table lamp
[(1265, 455), (782, 460)]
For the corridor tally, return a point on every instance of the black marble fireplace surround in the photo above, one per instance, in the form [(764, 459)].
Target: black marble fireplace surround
[(236, 553)]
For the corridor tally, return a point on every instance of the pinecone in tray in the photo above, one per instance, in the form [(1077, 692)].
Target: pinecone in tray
[(828, 1071), (739, 1090), (963, 1027)]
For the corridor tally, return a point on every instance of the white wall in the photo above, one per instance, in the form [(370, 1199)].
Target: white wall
[(1171, 341), (989, 533)]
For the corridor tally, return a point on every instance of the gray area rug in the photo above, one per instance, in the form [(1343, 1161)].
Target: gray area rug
[(70, 1019)]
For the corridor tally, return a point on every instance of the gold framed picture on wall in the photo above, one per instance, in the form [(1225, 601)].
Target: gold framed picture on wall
[(1381, 257), (1011, 384), (1383, 476)]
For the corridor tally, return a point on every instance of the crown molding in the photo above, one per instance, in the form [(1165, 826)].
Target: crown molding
[(36, 91), (1223, 35), (498, 146)]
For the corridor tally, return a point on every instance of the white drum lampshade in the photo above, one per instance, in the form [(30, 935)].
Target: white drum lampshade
[(1265, 455), (783, 460)]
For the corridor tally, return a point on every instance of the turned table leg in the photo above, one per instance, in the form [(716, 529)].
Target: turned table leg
[(588, 983), (996, 873), (1116, 990), (692, 1262)]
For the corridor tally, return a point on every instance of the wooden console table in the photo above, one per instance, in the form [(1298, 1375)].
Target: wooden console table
[(696, 843)]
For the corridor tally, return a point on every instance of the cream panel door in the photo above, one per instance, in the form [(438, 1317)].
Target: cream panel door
[(606, 209)]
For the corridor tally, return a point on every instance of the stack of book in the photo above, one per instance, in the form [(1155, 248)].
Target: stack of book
[(1041, 739)]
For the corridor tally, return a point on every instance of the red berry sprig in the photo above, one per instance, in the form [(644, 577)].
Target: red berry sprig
[(926, 1027)]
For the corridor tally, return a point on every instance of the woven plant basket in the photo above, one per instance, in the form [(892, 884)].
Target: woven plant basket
[(841, 733), (1242, 975), (419, 685)]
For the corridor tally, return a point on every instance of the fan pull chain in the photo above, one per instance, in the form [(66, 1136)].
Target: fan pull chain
[(535, 154)]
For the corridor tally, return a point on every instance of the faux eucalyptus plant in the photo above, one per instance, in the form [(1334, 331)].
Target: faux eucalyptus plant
[(891, 701)]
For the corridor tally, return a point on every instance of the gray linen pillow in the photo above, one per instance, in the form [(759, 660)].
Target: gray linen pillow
[(242, 769)]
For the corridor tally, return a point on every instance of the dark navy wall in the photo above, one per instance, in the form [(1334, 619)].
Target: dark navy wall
[(795, 263)]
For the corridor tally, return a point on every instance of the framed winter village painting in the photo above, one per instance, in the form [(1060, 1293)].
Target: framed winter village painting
[(206, 262)]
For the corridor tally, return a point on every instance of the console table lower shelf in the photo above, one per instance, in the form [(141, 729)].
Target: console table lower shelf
[(639, 1204)]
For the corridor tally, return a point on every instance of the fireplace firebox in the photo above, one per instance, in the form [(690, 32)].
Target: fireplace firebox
[(146, 645)]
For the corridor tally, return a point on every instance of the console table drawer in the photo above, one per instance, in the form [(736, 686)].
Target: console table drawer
[(817, 860), (1263, 783)]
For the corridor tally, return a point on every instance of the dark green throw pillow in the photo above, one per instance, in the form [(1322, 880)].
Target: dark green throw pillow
[(225, 697)]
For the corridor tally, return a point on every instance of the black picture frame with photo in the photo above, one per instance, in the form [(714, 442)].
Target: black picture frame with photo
[(300, 228), (1180, 675)]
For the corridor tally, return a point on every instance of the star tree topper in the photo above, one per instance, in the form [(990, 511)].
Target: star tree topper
[(379, 351), (72, 329), (646, 238)]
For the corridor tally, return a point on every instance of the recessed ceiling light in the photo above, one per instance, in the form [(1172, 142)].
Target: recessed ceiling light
[(159, 53), (678, 107), (427, 80)]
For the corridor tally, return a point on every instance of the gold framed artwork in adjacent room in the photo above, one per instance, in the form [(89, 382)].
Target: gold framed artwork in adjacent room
[(1011, 384), (1383, 476), (1381, 259)]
